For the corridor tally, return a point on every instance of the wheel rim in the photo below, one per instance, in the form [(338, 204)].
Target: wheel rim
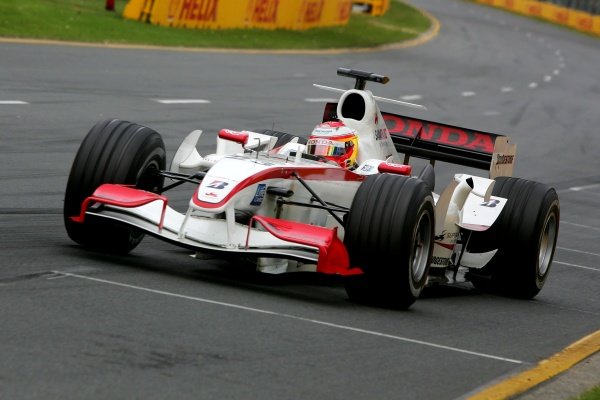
[(547, 244), (149, 179), (421, 247)]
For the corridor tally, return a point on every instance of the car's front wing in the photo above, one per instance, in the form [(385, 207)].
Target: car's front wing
[(269, 237)]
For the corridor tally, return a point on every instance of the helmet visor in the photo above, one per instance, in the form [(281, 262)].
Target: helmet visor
[(325, 148)]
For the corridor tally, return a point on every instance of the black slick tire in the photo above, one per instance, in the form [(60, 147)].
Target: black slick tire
[(525, 235), (113, 151), (389, 235)]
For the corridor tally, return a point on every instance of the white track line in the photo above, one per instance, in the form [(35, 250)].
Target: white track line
[(182, 101), (294, 317), (468, 94), (578, 251), (411, 97), (506, 89), (580, 188), (12, 102), (533, 85), (576, 266), (320, 100), (580, 225)]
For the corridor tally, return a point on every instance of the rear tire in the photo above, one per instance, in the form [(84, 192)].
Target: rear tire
[(525, 235), (389, 235), (113, 151)]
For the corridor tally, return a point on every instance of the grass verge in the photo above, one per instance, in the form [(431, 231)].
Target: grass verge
[(88, 21), (592, 394)]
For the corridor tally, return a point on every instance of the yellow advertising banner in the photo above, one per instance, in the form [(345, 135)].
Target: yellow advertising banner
[(596, 25), (510, 5), (561, 15), (581, 21), (133, 9), (554, 13), (522, 6), (533, 8), (236, 14)]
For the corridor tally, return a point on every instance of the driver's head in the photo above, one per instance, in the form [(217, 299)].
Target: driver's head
[(334, 141)]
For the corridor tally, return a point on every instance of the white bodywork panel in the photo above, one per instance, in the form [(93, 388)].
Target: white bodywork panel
[(461, 206), (477, 260), (374, 141), (481, 209), (479, 215)]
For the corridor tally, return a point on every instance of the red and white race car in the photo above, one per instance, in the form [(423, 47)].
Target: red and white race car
[(290, 205)]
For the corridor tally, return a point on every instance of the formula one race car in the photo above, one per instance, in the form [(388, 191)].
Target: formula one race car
[(340, 202)]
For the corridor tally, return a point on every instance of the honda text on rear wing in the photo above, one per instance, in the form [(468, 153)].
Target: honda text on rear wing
[(448, 143)]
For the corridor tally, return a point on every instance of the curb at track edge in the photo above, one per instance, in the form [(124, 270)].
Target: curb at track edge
[(542, 371)]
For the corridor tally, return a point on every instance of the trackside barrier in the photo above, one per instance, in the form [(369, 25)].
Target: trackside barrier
[(236, 14), (584, 21)]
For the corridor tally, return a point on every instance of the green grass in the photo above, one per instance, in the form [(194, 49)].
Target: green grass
[(88, 21), (592, 394)]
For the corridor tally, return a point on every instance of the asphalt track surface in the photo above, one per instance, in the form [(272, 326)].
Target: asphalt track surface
[(159, 324)]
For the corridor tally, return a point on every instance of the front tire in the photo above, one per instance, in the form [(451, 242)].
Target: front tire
[(389, 235), (113, 151), (525, 235)]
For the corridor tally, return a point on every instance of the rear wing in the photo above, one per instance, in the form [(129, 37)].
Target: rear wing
[(436, 141)]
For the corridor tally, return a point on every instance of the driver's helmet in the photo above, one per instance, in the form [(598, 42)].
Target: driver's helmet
[(334, 141)]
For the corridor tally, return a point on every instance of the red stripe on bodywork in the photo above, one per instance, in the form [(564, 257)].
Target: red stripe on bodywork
[(448, 246), (333, 257), (309, 174), (121, 196), (398, 169), (234, 136)]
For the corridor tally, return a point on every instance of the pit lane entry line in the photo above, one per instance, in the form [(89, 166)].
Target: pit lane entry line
[(289, 316)]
